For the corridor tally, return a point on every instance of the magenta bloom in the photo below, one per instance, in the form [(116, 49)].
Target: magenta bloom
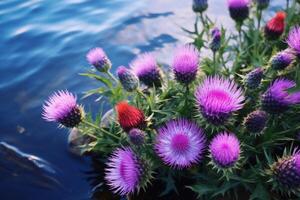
[(180, 143), (98, 59), (217, 98), (147, 70), (225, 150), (277, 99), (238, 9), (293, 40), (61, 107), (185, 64), (123, 172)]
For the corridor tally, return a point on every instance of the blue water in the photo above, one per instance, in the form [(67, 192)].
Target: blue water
[(43, 47)]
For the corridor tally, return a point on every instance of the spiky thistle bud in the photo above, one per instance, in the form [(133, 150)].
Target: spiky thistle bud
[(238, 10), (286, 172), (216, 39), (98, 58), (282, 59), (136, 136), (200, 5), (275, 27), (128, 79), (262, 4), (255, 122), (254, 77)]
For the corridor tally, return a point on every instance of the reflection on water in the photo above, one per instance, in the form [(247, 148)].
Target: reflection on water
[(43, 46)]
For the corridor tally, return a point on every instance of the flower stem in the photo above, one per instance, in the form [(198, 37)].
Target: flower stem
[(196, 25), (100, 129), (112, 76), (259, 15), (214, 60)]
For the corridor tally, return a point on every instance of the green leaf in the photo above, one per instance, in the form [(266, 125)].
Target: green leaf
[(94, 91), (260, 192), (102, 79), (203, 189)]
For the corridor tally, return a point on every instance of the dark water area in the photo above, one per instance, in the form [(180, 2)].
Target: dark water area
[(43, 47)]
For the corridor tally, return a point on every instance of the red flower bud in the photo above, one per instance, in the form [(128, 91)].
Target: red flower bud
[(275, 26), (129, 116)]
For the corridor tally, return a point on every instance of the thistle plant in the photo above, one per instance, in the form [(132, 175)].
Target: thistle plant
[(189, 125)]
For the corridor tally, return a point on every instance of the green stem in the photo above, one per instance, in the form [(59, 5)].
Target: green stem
[(86, 133), (239, 29), (196, 25), (214, 60), (100, 129), (141, 93), (259, 15), (112, 76)]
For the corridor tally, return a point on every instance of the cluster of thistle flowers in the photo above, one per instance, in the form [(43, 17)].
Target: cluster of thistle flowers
[(181, 143)]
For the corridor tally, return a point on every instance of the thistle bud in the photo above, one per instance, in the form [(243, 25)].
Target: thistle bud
[(136, 136), (255, 122), (216, 40), (199, 5), (282, 59), (253, 78), (128, 79), (98, 58)]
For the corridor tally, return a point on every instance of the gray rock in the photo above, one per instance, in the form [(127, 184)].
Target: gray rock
[(77, 141)]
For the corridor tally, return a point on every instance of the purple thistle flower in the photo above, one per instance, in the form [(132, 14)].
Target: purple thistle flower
[(136, 136), (282, 59), (256, 121), (180, 143), (286, 171), (128, 79), (216, 39), (254, 77), (262, 4), (225, 150), (238, 9), (277, 99), (217, 98), (147, 70), (293, 40), (123, 172), (185, 64), (200, 5), (61, 107), (98, 59)]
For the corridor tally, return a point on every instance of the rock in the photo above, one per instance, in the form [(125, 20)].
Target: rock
[(108, 118), (77, 142)]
